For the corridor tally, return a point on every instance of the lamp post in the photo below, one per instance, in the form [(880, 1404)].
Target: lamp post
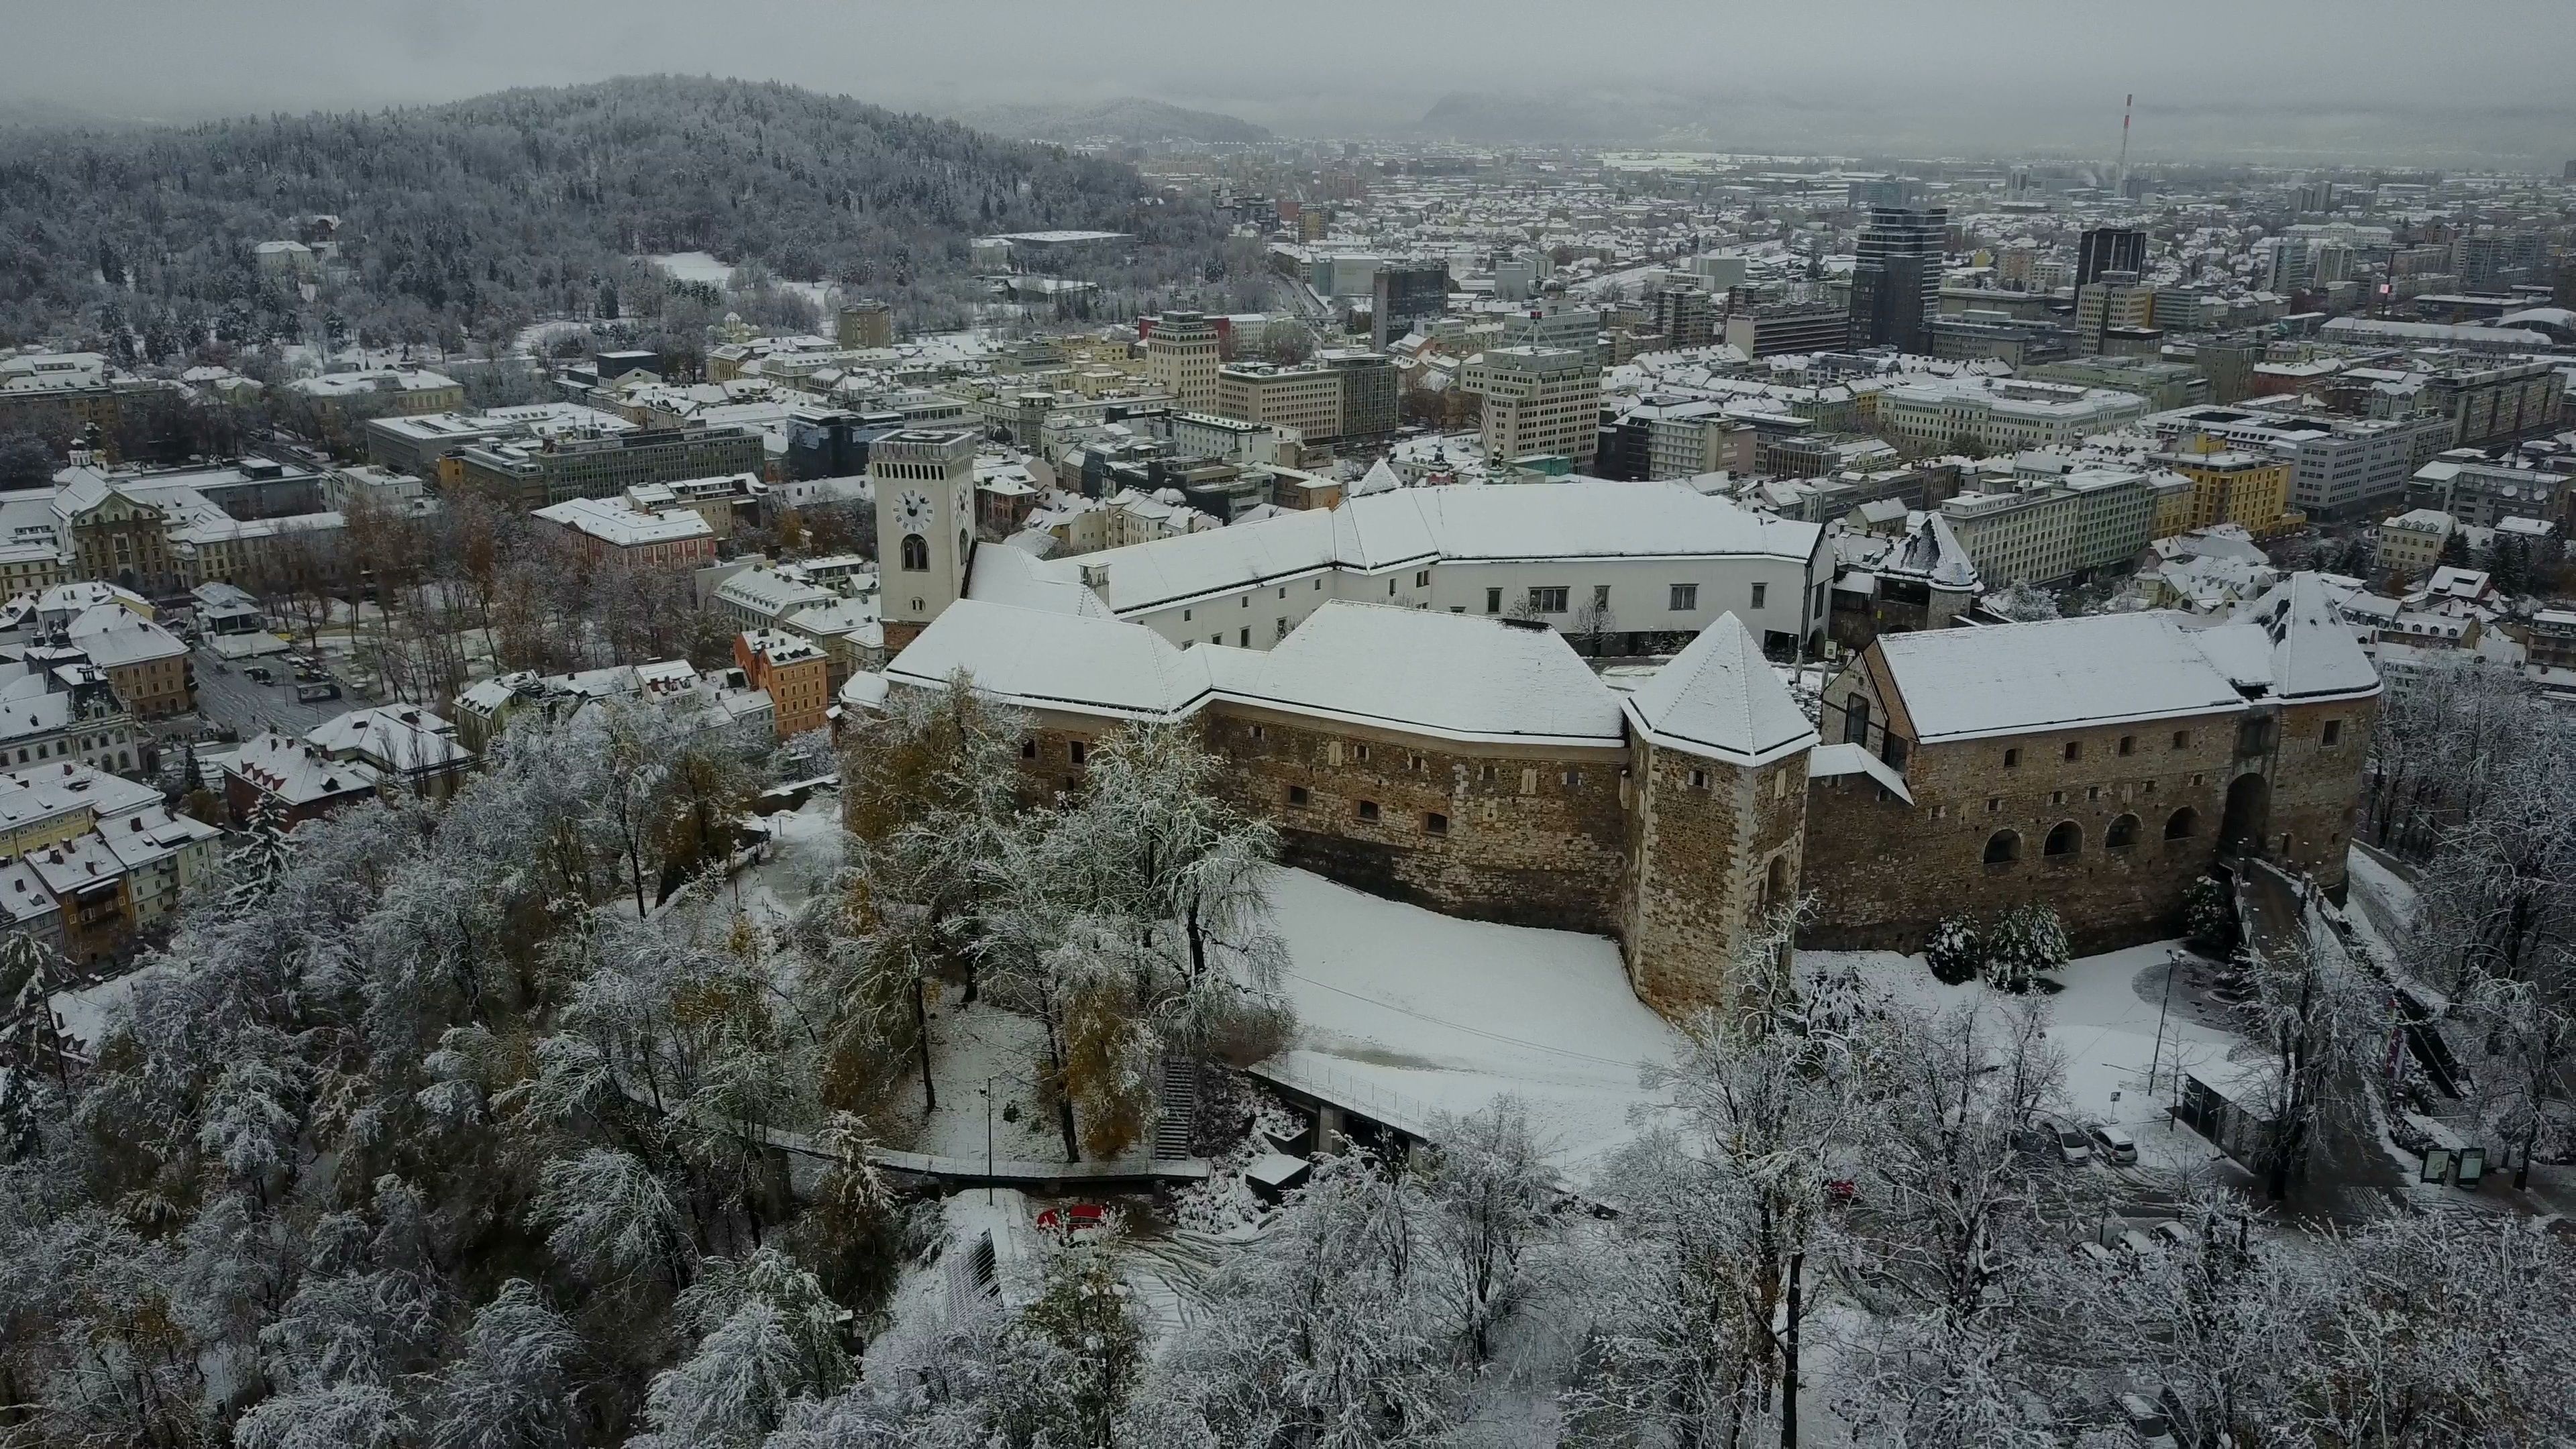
[(988, 1139)]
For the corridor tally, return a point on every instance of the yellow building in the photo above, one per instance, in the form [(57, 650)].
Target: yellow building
[(2235, 485)]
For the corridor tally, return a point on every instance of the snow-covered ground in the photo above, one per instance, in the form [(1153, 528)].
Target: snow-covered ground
[(84, 1011), (2105, 1023), (705, 267), (1405, 1014), (805, 848)]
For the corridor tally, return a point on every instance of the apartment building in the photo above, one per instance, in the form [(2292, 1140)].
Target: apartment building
[(108, 857), (2243, 486), (2047, 530), (2410, 544), (793, 671)]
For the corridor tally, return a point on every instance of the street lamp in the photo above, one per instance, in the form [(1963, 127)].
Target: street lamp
[(988, 1139)]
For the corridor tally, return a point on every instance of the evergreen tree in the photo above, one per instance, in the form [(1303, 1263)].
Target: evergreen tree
[(261, 858)]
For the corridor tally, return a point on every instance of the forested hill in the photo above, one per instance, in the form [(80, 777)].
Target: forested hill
[(471, 218)]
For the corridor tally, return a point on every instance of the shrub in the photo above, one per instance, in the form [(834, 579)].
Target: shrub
[(1954, 950), (2025, 943), (2209, 916)]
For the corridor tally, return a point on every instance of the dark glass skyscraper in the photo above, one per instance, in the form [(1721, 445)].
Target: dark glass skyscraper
[(2110, 249), (1896, 284)]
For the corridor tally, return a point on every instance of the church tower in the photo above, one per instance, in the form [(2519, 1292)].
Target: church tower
[(924, 480)]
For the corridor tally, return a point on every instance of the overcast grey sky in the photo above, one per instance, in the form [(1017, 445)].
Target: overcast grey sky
[(2265, 79)]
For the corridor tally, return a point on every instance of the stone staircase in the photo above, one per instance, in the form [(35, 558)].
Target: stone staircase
[(1176, 1108)]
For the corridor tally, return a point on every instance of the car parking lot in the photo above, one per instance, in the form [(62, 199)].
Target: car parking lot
[(228, 696)]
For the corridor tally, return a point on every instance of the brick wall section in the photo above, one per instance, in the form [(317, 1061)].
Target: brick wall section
[(1886, 873), (1523, 846), (1704, 837)]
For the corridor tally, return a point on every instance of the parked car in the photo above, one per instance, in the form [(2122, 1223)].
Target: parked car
[(2174, 1233), (2113, 1145), (2137, 1242), (2093, 1252), (311, 693), (2073, 1147), (258, 673)]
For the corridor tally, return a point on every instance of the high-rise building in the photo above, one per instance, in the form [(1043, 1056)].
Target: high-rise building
[(1896, 283), (867, 323), (1369, 393), (2113, 299), (1538, 401), (1403, 293), (1687, 315), (2109, 249), (924, 479), (1182, 355)]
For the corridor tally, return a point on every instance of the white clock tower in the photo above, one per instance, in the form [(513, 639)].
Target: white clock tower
[(924, 479)]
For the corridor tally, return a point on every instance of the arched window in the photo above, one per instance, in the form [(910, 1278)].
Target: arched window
[(2123, 833), (2184, 824), (2003, 847), (1856, 721), (2065, 838), (916, 553)]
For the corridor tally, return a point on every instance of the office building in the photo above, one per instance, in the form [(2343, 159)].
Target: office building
[(1976, 415), (1789, 327), (1182, 355), (1306, 398), (1896, 283), (2109, 249), (1538, 401), (530, 476), (2339, 467), (1370, 393), (1403, 293)]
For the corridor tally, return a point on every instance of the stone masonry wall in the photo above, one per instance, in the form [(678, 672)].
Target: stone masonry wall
[(1703, 837), (1531, 838), (2316, 787), (1885, 873)]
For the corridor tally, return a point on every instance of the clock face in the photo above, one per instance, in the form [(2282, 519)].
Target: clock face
[(913, 512)]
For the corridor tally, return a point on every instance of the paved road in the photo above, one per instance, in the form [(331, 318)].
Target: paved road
[(235, 699), (2350, 1177)]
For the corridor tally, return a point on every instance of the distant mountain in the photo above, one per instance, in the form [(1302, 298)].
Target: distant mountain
[(474, 217), (1130, 119), (1505, 119)]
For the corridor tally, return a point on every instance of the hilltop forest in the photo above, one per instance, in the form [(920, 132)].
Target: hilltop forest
[(462, 223)]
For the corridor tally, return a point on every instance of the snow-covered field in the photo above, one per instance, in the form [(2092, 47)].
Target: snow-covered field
[(1406, 1014), (704, 267)]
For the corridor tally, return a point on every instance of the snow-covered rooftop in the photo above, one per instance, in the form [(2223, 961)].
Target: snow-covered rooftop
[(1718, 697), (1961, 684)]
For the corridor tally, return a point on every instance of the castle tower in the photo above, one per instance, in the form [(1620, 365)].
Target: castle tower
[(1718, 775), (924, 480)]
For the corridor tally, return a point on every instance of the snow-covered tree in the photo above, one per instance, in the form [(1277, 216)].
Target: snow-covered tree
[(611, 1220), (1318, 1333), (1699, 1296), (1955, 951), (766, 1335), (1489, 1189), (511, 1387), (261, 857)]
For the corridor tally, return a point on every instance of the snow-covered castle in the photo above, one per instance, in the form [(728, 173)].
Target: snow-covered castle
[(1394, 681)]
